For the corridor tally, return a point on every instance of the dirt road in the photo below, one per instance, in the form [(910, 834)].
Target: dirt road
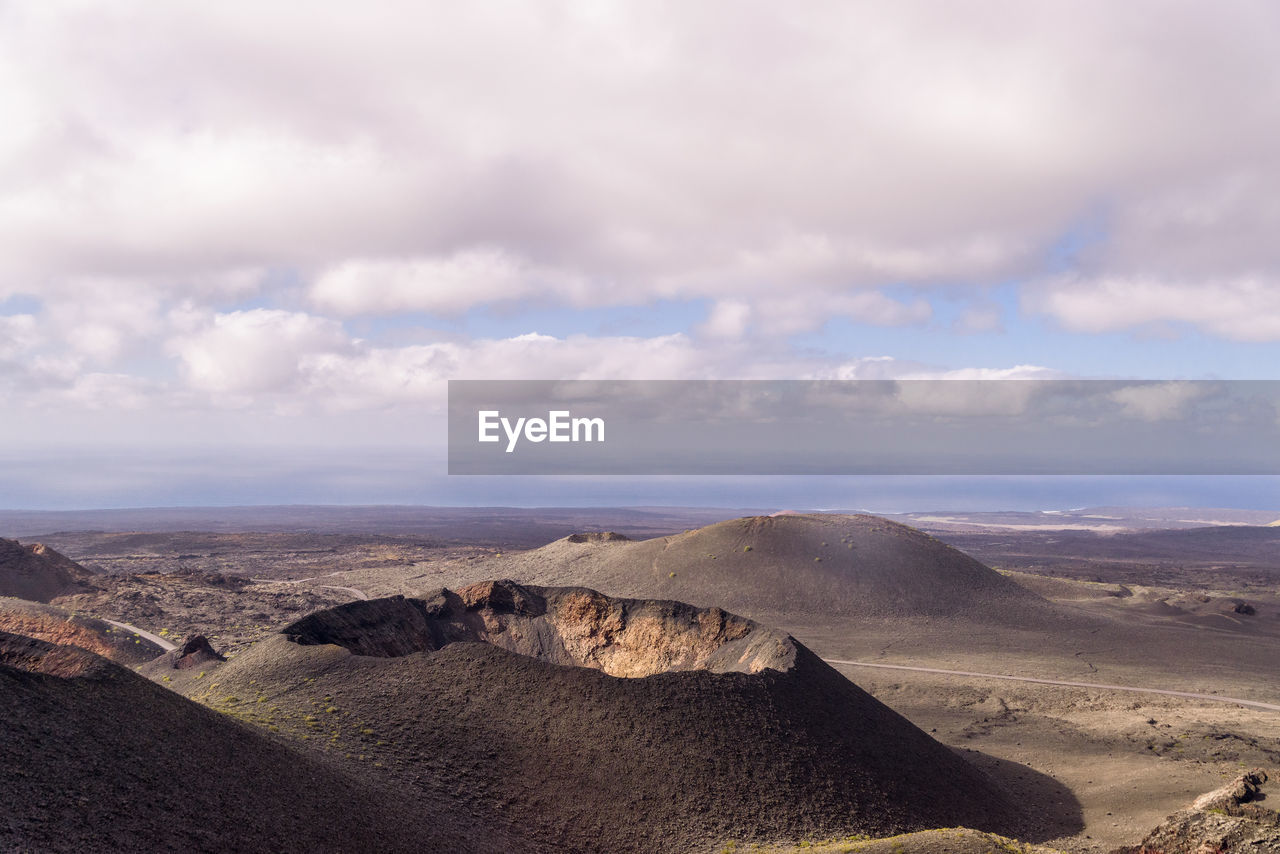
[(142, 633), (1097, 686)]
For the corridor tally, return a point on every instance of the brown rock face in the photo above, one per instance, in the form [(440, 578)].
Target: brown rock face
[(568, 626), (38, 573), (1226, 820), (36, 656), (55, 631)]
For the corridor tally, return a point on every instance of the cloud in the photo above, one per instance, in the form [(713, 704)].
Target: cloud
[(257, 352), (205, 205), (18, 334), (770, 316), (1240, 309), (1159, 401), (448, 157), (728, 319), (294, 362), (366, 377), (445, 285), (889, 368)]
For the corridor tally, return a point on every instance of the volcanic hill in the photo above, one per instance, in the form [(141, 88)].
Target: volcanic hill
[(97, 758), (589, 723), (37, 573), (801, 564)]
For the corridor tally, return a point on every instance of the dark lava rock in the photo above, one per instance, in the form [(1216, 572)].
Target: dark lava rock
[(195, 652)]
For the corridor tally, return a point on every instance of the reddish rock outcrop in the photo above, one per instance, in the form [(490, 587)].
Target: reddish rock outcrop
[(570, 626)]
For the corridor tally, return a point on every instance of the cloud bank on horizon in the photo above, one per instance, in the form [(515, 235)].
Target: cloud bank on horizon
[(276, 209)]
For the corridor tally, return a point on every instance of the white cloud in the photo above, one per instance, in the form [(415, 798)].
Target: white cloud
[(259, 351), (163, 167), (728, 319), (445, 285), (377, 376), (686, 151), (100, 391), (1158, 401), (1240, 309), (18, 334), (949, 391), (889, 368), (786, 314), (294, 362)]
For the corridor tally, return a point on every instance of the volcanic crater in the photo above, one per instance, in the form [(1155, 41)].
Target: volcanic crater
[(563, 626)]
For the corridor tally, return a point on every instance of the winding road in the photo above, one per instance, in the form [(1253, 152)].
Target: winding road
[(356, 592), (144, 634), (1192, 695)]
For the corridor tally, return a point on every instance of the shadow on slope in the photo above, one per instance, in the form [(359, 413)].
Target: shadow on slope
[(97, 758)]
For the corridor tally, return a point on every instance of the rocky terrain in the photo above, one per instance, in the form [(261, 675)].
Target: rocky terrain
[(1194, 609), (1228, 556), (274, 556), (1228, 819), (231, 611)]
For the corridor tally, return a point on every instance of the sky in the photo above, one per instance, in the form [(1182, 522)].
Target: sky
[(245, 245)]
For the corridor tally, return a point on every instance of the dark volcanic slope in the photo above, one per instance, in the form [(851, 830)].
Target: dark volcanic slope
[(96, 758), (515, 701), (38, 573), (794, 564)]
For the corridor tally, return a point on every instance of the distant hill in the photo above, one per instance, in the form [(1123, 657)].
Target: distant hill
[(600, 724), (794, 564), (509, 527), (38, 573), (96, 758)]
